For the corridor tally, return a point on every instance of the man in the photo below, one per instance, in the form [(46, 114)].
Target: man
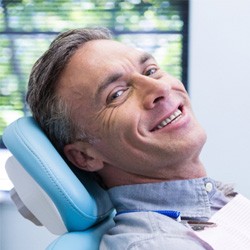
[(111, 110)]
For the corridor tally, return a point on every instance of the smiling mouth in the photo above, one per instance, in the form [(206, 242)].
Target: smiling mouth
[(174, 116)]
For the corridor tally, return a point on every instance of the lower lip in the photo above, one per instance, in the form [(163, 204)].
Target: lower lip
[(179, 122)]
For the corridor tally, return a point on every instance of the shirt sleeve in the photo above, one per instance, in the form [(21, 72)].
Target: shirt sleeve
[(151, 231), (164, 242)]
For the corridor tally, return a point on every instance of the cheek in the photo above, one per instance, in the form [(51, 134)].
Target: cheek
[(112, 124)]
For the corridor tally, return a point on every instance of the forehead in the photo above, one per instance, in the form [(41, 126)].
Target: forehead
[(97, 58), (105, 46), (101, 53), (93, 62)]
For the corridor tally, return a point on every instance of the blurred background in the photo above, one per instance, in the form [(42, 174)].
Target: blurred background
[(205, 43)]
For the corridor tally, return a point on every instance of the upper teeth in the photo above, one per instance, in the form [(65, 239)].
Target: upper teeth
[(169, 119)]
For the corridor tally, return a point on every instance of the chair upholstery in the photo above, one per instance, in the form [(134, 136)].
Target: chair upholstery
[(73, 197)]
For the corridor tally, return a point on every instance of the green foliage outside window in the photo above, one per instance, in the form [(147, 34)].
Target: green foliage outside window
[(28, 26)]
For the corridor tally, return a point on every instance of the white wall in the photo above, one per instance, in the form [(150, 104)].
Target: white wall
[(220, 86), (17, 233)]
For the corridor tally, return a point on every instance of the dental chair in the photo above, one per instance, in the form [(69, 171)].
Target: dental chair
[(50, 192)]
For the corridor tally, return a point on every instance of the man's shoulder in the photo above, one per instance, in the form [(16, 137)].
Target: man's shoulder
[(149, 230)]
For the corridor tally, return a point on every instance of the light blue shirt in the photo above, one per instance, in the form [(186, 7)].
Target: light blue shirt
[(195, 199)]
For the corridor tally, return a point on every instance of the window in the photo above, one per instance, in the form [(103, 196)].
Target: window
[(28, 26)]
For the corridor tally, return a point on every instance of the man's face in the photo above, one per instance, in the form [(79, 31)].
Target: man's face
[(139, 115)]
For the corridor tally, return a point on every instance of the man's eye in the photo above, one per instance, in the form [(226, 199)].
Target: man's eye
[(115, 95), (150, 71)]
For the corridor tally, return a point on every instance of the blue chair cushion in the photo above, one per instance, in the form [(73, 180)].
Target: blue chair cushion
[(80, 201)]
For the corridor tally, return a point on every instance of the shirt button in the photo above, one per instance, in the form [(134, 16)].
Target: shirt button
[(209, 187)]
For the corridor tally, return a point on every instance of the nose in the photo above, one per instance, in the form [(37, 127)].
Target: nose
[(152, 91)]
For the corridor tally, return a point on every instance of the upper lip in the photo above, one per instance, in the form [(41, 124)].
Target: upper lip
[(155, 127)]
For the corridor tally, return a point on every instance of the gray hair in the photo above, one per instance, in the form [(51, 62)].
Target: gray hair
[(48, 108)]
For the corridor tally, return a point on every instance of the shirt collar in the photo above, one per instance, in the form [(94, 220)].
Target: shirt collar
[(191, 197)]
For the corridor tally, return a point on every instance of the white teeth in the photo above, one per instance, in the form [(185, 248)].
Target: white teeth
[(169, 119), (164, 123), (172, 117)]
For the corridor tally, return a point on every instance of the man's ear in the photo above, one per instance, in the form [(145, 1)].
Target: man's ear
[(83, 156)]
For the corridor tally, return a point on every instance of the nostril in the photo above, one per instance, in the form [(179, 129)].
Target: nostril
[(158, 99)]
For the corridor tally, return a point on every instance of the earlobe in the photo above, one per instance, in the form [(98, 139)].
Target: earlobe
[(94, 164), (74, 156), (78, 154)]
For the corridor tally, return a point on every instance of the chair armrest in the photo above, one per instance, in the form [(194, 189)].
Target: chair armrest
[(85, 240)]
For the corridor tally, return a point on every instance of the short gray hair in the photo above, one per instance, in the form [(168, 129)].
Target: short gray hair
[(48, 108)]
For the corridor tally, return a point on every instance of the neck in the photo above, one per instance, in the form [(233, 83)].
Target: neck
[(113, 176)]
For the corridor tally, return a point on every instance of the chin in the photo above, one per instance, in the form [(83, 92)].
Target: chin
[(199, 140)]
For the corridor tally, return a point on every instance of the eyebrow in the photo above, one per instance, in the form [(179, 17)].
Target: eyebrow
[(107, 81), (114, 77), (145, 57)]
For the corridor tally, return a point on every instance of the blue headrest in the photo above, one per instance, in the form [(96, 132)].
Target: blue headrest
[(80, 201)]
